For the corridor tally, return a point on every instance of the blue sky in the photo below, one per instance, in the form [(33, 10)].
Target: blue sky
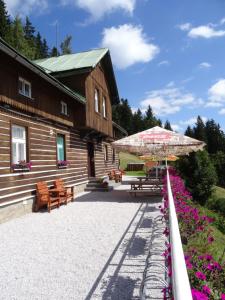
[(169, 54)]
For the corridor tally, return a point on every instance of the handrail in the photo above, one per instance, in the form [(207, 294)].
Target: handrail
[(180, 281)]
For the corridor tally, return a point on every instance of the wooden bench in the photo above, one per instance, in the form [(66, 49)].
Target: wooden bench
[(46, 197), (66, 193)]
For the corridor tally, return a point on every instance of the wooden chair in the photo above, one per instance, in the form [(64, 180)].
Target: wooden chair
[(45, 197), (65, 194), (115, 175)]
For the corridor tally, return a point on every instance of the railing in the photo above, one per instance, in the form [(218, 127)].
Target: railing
[(180, 281)]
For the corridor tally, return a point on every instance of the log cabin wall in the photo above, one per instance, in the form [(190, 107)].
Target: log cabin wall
[(97, 80), (105, 163), (42, 153), (45, 98)]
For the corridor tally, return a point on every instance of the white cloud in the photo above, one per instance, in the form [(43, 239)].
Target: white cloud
[(26, 7), (98, 8), (205, 31), (185, 26), (222, 21), (205, 65), (192, 121), (213, 104), (176, 127), (168, 100), (222, 111), (163, 63), (217, 94), (128, 45)]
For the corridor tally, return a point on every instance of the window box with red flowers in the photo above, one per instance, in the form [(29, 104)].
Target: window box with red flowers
[(62, 164), (22, 166)]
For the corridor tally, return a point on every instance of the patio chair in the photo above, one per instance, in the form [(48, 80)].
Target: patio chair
[(65, 193), (45, 197)]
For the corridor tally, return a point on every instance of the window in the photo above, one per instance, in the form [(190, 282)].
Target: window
[(106, 152), (64, 110), (61, 155), (19, 140), (96, 100), (104, 107), (24, 87)]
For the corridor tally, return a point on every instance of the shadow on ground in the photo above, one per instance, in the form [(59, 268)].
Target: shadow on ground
[(122, 274)]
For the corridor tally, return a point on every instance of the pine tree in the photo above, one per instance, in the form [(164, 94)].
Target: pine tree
[(189, 132), (45, 49), (150, 120), (122, 115), (138, 122), (66, 47), (18, 40), (199, 130), (4, 22), (38, 46), (29, 30), (54, 52), (168, 126), (215, 137)]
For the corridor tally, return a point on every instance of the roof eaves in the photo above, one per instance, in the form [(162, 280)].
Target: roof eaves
[(39, 71)]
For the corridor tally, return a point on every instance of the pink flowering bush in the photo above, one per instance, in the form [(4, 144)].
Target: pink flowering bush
[(206, 275)]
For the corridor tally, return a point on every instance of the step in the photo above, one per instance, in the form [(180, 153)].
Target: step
[(93, 184)]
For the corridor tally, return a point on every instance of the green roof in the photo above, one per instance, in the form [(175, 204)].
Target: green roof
[(87, 59)]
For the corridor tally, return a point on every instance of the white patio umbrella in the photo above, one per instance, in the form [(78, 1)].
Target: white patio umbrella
[(158, 142)]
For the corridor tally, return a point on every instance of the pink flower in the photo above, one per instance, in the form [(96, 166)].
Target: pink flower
[(210, 239), (222, 296), (200, 275), (206, 289), (197, 295)]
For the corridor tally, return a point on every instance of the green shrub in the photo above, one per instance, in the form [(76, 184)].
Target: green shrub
[(217, 204)]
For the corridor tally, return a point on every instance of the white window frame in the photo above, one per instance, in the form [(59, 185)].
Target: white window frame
[(104, 107), (96, 100), (23, 92), (17, 141), (64, 108)]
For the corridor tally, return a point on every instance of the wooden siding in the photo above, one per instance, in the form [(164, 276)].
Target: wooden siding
[(45, 99), (86, 85), (97, 80), (15, 186)]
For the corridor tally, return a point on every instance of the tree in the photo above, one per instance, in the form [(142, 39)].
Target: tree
[(66, 47), (137, 122), (54, 52), (168, 126), (18, 40), (199, 174), (215, 137), (29, 30), (149, 119), (44, 49), (189, 132), (199, 130), (122, 115), (4, 22), (218, 160)]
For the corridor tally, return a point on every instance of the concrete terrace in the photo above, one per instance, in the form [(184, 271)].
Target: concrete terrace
[(94, 248)]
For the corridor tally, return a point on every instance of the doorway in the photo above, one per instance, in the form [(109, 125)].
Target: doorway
[(91, 159)]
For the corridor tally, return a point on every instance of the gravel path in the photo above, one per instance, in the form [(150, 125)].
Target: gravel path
[(93, 248)]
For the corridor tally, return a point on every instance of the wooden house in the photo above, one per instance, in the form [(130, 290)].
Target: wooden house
[(54, 123)]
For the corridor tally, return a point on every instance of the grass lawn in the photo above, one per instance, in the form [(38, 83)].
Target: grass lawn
[(135, 173), (218, 192), (217, 248), (126, 158)]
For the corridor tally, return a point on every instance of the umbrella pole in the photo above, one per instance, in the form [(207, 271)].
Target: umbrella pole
[(166, 163)]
